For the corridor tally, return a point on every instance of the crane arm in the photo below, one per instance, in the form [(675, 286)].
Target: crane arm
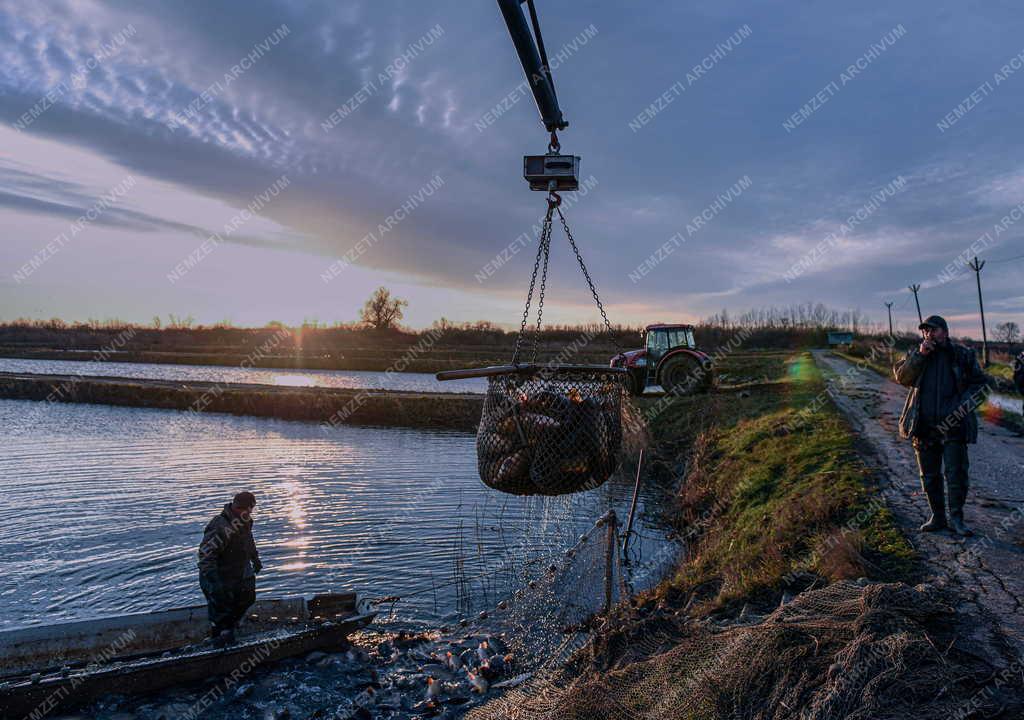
[(534, 59)]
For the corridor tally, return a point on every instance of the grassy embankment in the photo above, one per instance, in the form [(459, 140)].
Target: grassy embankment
[(443, 347), (773, 500), (776, 498)]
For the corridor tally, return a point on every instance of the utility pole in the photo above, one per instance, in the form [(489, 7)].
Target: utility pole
[(888, 307), (914, 289), (976, 266)]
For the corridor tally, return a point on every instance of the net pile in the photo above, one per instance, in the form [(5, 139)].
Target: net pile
[(845, 652), (551, 431)]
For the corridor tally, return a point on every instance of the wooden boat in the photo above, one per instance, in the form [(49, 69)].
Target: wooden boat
[(70, 664)]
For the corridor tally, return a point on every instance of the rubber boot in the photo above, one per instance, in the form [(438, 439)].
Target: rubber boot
[(957, 466), (936, 503), (957, 498)]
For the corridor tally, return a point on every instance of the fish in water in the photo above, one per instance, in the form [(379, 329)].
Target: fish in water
[(483, 652), (433, 690), (466, 658), (453, 662), (497, 645), (499, 663), (488, 672), (480, 684)]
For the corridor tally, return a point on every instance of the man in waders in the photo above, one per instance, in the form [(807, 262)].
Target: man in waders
[(946, 385), (228, 563)]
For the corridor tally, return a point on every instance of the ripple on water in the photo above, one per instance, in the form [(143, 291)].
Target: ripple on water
[(101, 509), (355, 379)]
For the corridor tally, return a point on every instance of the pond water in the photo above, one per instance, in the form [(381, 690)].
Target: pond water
[(356, 379), (1006, 403), (101, 510)]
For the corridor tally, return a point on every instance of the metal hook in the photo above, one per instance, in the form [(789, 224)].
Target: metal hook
[(554, 146)]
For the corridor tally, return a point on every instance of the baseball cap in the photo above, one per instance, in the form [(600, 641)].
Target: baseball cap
[(934, 321)]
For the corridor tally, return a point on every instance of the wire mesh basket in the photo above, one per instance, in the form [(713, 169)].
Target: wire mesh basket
[(550, 429)]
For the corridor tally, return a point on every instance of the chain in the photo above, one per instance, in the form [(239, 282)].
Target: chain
[(583, 267), (546, 242), (545, 237), (544, 255)]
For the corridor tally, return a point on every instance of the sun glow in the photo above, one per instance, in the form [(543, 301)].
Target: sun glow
[(293, 380)]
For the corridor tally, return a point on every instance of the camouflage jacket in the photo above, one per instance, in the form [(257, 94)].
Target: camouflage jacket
[(970, 387), (228, 549)]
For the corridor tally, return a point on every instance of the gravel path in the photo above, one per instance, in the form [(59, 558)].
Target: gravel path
[(988, 567)]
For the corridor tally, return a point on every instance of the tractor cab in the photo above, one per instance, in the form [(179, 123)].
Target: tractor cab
[(662, 338), (670, 358)]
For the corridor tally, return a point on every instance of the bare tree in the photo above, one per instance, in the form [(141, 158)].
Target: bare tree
[(1008, 332), (382, 311)]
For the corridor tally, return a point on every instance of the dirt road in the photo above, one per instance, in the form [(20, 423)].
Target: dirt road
[(988, 567)]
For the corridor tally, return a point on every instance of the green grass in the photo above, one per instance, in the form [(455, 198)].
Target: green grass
[(751, 367), (778, 496), (1001, 370)]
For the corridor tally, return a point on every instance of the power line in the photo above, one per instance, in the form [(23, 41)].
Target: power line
[(1009, 259)]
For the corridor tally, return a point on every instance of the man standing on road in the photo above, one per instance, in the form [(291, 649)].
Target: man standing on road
[(228, 563), (946, 385)]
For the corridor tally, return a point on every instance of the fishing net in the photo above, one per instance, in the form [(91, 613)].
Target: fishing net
[(549, 429), (548, 619), (846, 652), (550, 432)]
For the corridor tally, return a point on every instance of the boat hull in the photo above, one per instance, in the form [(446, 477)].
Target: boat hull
[(27, 697)]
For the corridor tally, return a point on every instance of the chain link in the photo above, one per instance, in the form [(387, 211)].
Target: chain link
[(545, 238), (543, 256), (546, 241), (583, 267)]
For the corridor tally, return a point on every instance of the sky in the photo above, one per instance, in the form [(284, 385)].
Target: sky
[(278, 160)]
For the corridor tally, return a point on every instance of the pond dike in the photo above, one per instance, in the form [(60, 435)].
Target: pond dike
[(325, 405)]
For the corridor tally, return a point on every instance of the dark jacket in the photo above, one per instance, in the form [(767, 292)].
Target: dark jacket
[(968, 387), (1018, 373), (228, 548)]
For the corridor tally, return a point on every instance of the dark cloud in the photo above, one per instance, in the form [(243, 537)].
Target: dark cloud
[(422, 122)]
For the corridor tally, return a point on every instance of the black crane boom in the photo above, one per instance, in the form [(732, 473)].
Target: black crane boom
[(533, 57)]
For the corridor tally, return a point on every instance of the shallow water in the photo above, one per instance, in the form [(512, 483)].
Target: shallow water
[(1006, 403), (356, 379), (101, 510)]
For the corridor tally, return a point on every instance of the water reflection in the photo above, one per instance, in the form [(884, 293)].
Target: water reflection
[(101, 510), (355, 379), (293, 380), (1006, 403)]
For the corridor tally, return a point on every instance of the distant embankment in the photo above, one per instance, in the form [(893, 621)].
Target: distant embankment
[(394, 360), (325, 405)]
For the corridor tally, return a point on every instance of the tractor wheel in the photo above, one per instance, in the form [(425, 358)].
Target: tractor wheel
[(683, 375)]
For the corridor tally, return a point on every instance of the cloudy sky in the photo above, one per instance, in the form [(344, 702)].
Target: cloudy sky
[(131, 133)]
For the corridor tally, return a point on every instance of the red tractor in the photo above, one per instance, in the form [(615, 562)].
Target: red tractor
[(669, 358)]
